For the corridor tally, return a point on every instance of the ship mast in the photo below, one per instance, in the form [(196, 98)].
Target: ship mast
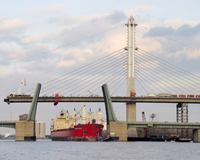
[(84, 115)]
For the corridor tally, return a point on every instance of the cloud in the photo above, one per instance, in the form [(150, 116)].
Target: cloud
[(22, 46), (11, 30), (72, 53), (66, 63), (143, 8), (182, 31), (46, 10), (5, 74), (69, 22), (171, 41), (11, 24), (31, 39), (189, 53)]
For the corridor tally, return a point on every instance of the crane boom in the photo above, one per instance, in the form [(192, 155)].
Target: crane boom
[(21, 87)]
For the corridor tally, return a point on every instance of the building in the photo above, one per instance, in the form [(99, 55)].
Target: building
[(40, 129), (23, 117), (7, 135)]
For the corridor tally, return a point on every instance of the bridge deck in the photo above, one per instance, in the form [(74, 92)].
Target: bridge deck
[(166, 125), (9, 124), (101, 99)]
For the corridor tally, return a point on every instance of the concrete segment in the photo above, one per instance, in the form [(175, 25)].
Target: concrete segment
[(131, 117), (25, 131), (119, 129), (196, 135), (131, 112)]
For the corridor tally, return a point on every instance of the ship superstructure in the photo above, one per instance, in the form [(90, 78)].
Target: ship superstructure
[(65, 121)]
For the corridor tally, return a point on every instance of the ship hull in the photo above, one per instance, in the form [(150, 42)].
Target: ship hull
[(91, 139), (82, 132)]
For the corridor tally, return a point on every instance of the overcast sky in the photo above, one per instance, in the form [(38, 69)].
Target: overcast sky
[(34, 37)]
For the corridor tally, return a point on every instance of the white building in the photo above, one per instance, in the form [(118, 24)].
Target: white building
[(7, 134), (40, 129)]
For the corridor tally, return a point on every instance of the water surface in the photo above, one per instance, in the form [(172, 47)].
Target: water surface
[(46, 149)]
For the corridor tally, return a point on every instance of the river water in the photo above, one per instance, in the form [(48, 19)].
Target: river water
[(47, 150)]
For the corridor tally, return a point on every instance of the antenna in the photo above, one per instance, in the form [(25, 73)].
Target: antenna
[(152, 116)]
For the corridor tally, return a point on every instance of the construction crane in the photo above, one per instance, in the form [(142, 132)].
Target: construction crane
[(146, 130), (23, 83), (19, 93)]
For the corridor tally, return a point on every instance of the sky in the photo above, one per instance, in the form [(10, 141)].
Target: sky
[(42, 40)]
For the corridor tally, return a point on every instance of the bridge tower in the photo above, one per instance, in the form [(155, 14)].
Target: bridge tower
[(131, 56), (130, 106)]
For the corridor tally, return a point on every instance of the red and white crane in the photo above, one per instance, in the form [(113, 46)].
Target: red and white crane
[(23, 83)]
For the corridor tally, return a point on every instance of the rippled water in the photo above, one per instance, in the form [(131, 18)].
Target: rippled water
[(46, 149)]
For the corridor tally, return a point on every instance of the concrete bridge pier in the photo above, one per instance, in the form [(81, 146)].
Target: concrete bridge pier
[(196, 135), (131, 117), (25, 131)]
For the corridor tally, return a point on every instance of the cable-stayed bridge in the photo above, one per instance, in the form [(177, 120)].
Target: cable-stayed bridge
[(124, 71), (152, 74)]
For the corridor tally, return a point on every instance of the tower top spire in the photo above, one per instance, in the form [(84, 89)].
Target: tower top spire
[(132, 18)]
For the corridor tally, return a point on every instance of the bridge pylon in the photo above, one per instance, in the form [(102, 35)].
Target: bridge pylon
[(131, 56), (131, 106)]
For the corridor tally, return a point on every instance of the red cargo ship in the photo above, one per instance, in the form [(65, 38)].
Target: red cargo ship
[(64, 128), (82, 132)]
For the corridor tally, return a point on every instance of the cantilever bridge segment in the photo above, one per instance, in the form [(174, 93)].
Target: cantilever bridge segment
[(110, 115), (25, 129)]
